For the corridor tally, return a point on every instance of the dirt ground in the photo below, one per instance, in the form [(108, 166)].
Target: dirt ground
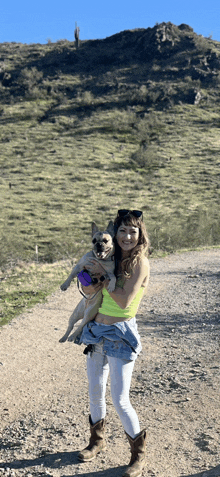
[(175, 386)]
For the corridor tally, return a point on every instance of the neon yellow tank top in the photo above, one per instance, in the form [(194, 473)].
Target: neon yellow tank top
[(109, 306)]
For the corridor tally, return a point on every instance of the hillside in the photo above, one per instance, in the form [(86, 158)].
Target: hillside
[(128, 121)]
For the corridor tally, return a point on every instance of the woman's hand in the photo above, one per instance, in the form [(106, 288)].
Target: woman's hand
[(97, 271), (94, 267), (92, 289)]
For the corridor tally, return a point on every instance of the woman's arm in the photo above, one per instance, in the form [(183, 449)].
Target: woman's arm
[(124, 296)]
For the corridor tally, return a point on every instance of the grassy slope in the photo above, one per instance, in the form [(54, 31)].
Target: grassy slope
[(109, 126)]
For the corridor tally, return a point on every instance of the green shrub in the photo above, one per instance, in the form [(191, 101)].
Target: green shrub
[(29, 80)]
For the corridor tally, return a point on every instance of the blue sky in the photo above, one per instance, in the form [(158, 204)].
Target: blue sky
[(31, 21)]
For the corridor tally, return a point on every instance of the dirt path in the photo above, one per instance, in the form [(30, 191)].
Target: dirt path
[(175, 387)]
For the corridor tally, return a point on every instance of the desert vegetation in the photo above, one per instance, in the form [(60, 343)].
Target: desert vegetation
[(129, 121)]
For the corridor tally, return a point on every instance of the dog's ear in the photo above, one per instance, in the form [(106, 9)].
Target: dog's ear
[(110, 228), (94, 228)]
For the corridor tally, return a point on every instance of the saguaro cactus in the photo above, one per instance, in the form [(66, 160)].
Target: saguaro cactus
[(76, 34)]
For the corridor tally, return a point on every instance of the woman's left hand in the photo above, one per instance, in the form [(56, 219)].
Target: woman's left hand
[(93, 266), (92, 289)]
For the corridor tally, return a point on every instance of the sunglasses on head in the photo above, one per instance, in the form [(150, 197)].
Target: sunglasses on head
[(135, 213)]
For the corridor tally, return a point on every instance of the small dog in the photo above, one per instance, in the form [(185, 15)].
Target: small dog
[(103, 251)]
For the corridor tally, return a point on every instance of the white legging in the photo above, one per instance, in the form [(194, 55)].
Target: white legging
[(98, 367)]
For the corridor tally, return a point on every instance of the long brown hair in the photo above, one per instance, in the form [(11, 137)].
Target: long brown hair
[(127, 264)]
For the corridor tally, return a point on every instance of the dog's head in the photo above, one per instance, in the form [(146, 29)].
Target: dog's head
[(103, 245)]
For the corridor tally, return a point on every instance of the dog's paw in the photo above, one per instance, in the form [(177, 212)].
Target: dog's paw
[(63, 339), (64, 286), (72, 337), (111, 286)]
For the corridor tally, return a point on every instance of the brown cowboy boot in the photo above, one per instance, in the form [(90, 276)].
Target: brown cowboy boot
[(138, 451), (97, 441)]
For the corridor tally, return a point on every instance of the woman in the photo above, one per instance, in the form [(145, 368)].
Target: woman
[(114, 342)]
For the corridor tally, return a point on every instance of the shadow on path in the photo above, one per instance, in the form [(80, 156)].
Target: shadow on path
[(113, 472), (59, 460), (54, 461), (215, 472)]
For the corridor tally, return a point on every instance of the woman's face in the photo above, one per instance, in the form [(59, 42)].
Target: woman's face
[(127, 237)]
